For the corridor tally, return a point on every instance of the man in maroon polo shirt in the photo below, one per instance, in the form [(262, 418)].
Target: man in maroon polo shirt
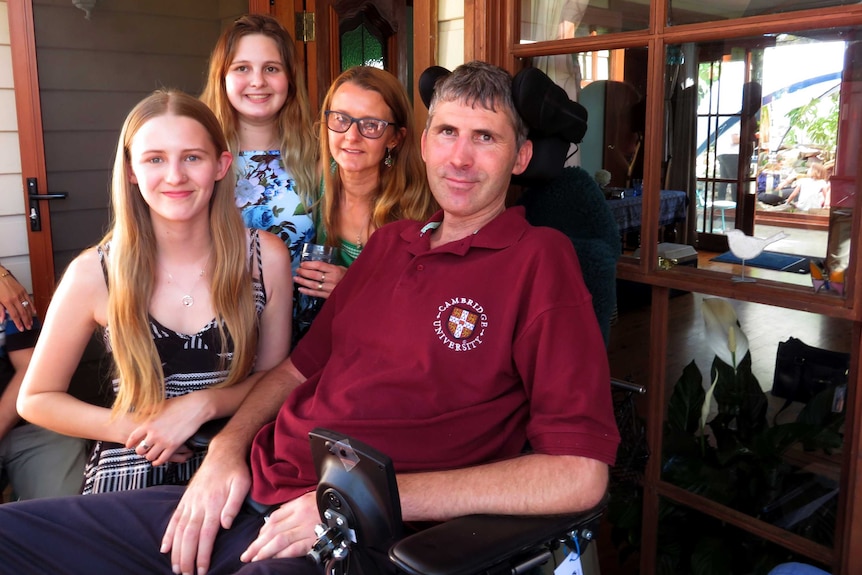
[(449, 345)]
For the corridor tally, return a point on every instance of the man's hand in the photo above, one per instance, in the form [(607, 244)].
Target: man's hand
[(212, 501), (288, 532)]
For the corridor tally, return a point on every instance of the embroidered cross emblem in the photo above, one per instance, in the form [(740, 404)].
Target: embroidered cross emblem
[(462, 322)]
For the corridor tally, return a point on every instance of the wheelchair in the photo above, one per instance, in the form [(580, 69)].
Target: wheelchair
[(362, 532), (357, 496)]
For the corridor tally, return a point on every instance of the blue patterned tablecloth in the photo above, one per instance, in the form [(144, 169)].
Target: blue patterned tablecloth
[(627, 211)]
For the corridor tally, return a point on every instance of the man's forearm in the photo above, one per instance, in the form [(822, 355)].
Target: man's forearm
[(533, 484), (260, 406)]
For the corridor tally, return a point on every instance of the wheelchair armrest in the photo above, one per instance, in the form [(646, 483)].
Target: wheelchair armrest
[(472, 543), (202, 437)]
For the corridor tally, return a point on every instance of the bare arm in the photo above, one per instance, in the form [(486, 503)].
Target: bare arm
[(77, 309), (8, 414), (533, 484), (216, 493)]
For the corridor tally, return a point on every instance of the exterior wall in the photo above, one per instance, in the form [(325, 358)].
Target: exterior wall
[(13, 223), (91, 73), (450, 31)]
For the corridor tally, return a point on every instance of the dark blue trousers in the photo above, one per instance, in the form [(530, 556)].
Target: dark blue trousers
[(118, 533)]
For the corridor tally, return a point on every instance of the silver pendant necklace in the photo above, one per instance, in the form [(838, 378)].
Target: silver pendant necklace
[(187, 299)]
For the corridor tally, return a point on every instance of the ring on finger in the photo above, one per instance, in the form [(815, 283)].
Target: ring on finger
[(322, 277), (320, 286), (144, 445), (25, 303)]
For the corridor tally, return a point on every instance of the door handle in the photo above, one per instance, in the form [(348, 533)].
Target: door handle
[(34, 197)]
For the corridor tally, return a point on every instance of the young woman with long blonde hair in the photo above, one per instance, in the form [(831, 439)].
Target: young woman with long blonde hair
[(190, 303), (257, 91)]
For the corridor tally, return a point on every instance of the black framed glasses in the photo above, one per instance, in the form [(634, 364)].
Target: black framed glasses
[(370, 128)]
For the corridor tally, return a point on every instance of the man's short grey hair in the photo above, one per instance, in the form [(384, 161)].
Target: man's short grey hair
[(479, 83)]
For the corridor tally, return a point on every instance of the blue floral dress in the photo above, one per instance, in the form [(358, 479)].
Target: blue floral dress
[(266, 196)]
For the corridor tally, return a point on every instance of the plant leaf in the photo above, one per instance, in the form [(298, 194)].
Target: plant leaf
[(711, 557), (683, 411)]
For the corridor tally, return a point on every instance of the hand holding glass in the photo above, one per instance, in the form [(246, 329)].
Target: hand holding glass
[(307, 307)]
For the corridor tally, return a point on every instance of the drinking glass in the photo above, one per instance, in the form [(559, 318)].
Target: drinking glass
[(307, 307), (318, 253)]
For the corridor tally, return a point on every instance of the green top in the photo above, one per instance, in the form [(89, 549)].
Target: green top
[(347, 252)]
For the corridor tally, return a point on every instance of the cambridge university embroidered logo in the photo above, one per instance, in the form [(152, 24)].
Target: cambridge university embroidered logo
[(460, 324)]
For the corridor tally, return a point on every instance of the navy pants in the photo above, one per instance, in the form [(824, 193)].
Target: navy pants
[(118, 533)]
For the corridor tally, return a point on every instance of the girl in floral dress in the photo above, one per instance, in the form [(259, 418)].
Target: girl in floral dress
[(258, 93)]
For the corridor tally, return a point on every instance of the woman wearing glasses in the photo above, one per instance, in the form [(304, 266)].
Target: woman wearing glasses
[(373, 170)]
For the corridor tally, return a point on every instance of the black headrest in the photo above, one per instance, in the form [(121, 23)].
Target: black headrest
[(554, 121), (428, 80), (544, 106)]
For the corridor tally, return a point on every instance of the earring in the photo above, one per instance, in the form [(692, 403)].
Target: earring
[(333, 167), (388, 160)]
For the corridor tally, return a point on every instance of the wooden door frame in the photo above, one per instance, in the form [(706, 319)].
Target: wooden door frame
[(424, 46), (28, 109)]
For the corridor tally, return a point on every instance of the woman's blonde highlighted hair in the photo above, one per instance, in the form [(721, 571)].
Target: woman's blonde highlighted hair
[(294, 122), (404, 191), (131, 266)]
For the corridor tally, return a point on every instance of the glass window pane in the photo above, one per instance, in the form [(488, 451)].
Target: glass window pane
[(746, 442), (611, 85), (762, 134), (543, 20), (360, 47), (693, 11)]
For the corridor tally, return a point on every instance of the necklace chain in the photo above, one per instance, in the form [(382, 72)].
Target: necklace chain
[(359, 233), (187, 299)]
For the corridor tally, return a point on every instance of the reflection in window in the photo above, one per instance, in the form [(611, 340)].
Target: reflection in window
[(611, 85), (543, 20), (786, 445), (755, 135), (693, 11)]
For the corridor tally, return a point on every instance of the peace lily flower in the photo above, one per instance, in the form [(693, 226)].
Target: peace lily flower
[(723, 333), (726, 339)]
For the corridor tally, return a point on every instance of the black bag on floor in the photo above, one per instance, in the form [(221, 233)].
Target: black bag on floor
[(803, 371)]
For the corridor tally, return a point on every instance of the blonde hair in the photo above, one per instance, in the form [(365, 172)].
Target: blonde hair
[(818, 171), (294, 123), (404, 191), (132, 260)]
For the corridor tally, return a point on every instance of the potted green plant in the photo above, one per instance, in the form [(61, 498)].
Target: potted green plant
[(719, 443)]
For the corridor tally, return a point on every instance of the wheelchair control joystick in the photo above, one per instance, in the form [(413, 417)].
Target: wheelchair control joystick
[(332, 539)]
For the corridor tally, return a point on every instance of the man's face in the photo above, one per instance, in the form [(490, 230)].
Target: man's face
[(470, 154)]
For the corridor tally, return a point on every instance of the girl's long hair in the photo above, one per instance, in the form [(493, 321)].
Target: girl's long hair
[(131, 265), (294, 123), (404, 192)]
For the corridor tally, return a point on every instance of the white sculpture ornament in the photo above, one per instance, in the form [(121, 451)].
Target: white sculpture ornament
[(748, 247)]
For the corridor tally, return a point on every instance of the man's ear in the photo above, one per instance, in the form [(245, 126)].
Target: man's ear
[(522, 160), (422, 143), (224, 162)]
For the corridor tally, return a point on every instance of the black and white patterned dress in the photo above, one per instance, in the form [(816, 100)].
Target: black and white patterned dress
[(190, 363)]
